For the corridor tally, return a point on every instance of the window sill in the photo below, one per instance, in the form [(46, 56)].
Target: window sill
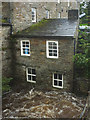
[(25, 55), (31, 81), (57, 86), (53, 57)]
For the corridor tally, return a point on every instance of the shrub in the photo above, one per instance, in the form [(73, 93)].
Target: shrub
[(6, 84)]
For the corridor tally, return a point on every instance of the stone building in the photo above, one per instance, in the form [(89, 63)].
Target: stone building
[(19, 14), (41, 55)]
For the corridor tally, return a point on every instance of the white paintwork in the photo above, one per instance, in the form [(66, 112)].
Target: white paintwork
[(47, 14), (57, 80), (47, 49), (22, 48), (34, 11), (31, 76)]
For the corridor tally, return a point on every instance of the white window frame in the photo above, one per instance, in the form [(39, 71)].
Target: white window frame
[(59, 15), (57, 86), (47, 14), (47, 49), (30, 75), (33, 10), (22, 54), (68, 3)]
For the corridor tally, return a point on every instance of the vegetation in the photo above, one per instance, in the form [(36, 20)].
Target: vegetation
[(83, 24), (86, 18), (39, 24), (4, 21), (81, 64), (35, 26), (81, 58), (6, 84)]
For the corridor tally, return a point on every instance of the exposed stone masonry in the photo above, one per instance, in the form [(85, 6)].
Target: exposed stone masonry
[(20, 13)]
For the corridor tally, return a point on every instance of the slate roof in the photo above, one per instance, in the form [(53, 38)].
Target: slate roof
[(53, 28)]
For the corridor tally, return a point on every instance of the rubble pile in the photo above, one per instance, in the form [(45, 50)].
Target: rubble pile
[(36, 104)]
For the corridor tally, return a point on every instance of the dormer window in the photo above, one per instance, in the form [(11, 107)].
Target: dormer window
[(47, 14), (25, 48), (33, 14)]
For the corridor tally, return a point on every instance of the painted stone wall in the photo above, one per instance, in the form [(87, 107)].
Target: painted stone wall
[(45, 67)]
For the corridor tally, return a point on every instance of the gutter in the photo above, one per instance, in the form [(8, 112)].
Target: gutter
[(40, 36)]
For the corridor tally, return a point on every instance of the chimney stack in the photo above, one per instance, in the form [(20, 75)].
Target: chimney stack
[(73, 14)]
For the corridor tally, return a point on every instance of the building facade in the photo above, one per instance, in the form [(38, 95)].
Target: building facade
[(21, 14), (41, 56)]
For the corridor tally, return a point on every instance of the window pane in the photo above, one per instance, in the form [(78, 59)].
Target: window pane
[(29, 77), (55, 54), (26, 51), (54, 43), (27, 45), (60, 76), (50, 51), (50, 54), (33, 71), (50, 47), (50, 43), (55, 51), (29, 70), (23, 51), (32, 12), (60, 83), (33, 16), (54, 47), (34, 78), (33, 9), (24, 43), (55, 76), (55, 82)]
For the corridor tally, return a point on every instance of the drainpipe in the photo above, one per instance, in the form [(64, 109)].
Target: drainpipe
[(11, 30), (10, 26), (74, 46)]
